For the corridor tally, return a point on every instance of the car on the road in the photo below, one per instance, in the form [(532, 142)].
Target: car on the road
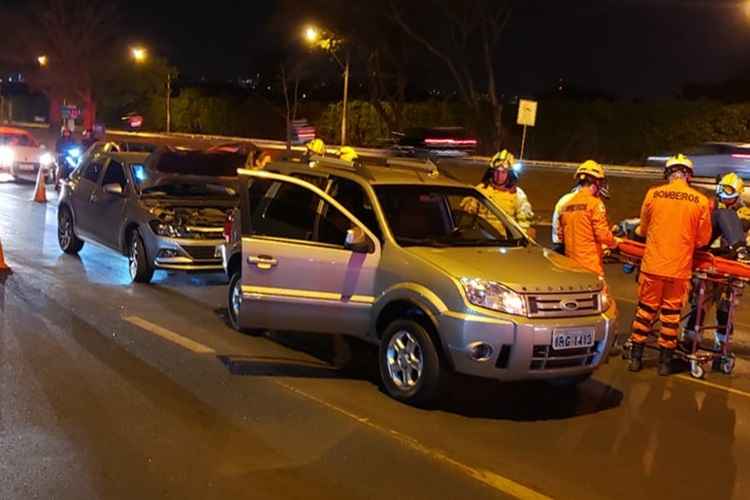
[(390, 254), (712, 159), (446, 142), (21, 156), (163, 211)]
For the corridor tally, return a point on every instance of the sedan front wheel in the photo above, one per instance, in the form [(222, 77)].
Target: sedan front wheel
[(140, 269)]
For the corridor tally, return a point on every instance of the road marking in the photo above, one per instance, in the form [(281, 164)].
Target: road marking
[(169, 335), (730, 390), (494, 481)]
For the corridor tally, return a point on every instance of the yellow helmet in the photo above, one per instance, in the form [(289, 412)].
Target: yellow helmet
[(590, 168), (729, 187), (503, 159), (679, 161), (316, 146), (347, 153)]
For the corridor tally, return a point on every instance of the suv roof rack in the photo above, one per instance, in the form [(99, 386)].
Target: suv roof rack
[(428, 166), (332, 163)]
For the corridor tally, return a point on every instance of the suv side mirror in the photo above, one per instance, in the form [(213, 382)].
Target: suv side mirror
[(357, 241), (115, 189)]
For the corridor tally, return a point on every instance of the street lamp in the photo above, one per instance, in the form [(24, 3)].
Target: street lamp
[(330, 43), (42, 60), (140, 55)]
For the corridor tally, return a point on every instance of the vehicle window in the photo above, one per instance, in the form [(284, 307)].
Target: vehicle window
[(703, 149), (445, 216), (17, 140), (286, 210), (92, 171), (354, 198), (290, 214), (115, 174)]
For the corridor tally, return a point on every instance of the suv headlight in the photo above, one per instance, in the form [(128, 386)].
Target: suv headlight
[(7, 156), (493, 295), (164, 229), (605, 300)]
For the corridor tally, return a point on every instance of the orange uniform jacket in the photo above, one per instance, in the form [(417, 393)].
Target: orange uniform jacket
[(584, 229), (675, 219)]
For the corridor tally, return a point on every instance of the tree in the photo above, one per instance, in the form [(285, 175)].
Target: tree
[(78, 39), (466, 43)]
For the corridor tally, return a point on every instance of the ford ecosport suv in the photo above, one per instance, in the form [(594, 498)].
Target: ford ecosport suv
[(391, 254)]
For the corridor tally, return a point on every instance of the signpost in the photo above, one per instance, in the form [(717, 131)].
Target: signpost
[(527, 118)]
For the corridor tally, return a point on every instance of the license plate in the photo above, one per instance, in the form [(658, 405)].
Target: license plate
[(573, 338), (26, 167)]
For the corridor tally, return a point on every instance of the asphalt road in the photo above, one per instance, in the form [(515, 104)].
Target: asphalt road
[(115, 390)]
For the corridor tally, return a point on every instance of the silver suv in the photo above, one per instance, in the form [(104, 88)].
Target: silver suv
[(392, 254)]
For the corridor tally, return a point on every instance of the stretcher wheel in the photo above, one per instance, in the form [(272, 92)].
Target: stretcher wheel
[(727, 365), (697, 370)]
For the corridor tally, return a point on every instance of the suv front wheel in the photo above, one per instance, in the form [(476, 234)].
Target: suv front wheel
[(410, 366)]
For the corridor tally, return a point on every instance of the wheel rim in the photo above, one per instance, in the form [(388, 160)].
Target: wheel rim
[(405, 360), (236, 300), (133, 258), (64, 230)]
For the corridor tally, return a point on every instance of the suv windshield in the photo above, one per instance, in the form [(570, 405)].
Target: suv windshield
[(17, 140), (445, 217)]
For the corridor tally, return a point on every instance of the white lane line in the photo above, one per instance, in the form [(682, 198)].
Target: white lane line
[(724, 388), (169, 335), (491, 479)]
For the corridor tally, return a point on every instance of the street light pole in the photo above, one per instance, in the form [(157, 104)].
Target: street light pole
[(345, 103)]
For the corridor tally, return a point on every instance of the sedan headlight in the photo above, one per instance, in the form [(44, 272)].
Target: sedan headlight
[(164, 229), (46, 160), (7, 156), (493, 295)]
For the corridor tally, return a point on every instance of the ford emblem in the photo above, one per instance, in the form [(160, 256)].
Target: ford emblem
[(569, 305)]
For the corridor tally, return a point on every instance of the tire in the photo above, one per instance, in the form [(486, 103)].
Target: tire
[(234, 301), (414, 381), (66, 236), (141, 271)]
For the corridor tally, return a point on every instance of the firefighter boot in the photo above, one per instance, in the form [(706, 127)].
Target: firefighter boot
[(636, 357), (665, 362)]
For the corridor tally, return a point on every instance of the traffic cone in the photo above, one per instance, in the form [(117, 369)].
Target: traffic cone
[(4, 268), (40, 191)]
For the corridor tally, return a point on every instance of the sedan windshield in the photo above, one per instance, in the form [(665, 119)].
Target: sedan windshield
[(445, 217), (17, 140)]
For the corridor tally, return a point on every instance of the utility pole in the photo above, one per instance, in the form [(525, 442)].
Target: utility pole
[(345, 104), (169, 102)]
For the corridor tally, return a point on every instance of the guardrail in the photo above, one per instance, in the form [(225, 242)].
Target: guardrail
[(643, 172)]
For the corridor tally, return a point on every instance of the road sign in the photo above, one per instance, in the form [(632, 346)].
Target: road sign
[(526, 112)]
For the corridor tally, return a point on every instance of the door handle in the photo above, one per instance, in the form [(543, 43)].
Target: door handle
[(264, 262)]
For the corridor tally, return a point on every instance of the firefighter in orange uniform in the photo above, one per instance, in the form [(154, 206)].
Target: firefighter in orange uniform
[(675, 220), (583, 227)]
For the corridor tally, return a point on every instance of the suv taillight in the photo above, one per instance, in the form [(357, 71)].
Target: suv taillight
[(228, 225)]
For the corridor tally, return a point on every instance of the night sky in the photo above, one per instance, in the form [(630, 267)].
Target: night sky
[(626, 47)]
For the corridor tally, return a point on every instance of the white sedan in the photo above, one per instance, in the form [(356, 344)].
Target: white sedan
[(21, 155)]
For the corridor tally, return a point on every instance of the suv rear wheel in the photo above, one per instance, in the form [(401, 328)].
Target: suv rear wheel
[(140, 269), (66, 236), (234, 302), (410, 366)]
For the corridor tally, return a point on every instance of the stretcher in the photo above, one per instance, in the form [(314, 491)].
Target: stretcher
[(708, 271)]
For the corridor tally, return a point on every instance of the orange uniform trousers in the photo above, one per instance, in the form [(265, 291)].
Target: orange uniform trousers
[(664, 297)]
